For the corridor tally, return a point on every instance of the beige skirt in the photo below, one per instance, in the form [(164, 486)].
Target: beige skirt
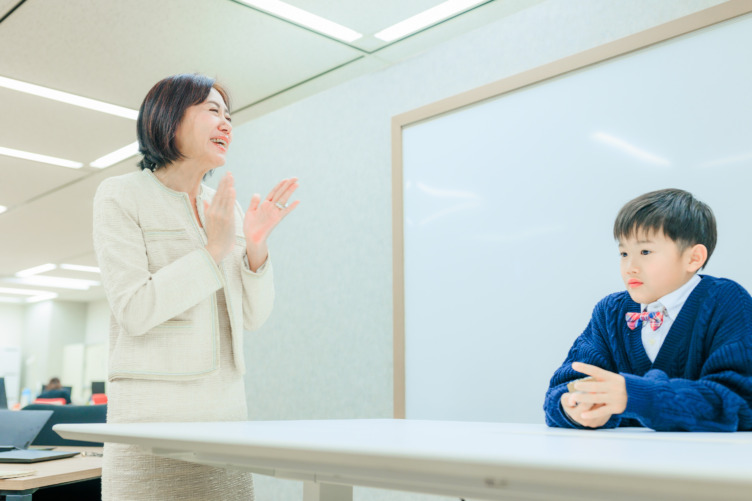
[(130, 475)]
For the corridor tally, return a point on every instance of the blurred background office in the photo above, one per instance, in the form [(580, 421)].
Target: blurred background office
[(310, 100)]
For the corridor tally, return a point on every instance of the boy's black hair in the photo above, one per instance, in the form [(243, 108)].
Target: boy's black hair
[(676, 213)]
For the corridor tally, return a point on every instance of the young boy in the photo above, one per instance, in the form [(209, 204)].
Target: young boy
[(672, 352)]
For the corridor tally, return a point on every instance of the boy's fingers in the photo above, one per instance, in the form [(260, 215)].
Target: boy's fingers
[(591, 370), (598, 413), (592, 387), (593, 398)]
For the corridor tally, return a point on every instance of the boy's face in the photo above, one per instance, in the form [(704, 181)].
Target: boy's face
[(652, 266)]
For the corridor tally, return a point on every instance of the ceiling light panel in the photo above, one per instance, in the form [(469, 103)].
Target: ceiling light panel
[(305, 18), (36, 157), (64, 97), (59, 130), (79, 267), (276, 54), (426, 18), (54, 282), (116, 156), (36, 270)]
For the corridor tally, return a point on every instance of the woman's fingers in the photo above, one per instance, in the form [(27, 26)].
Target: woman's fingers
[(289, 190), (255, 200), (279, 191), (275, 191)]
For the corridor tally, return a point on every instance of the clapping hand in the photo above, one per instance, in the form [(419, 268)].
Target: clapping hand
[(263, 216), (594, 402), (219, 217)]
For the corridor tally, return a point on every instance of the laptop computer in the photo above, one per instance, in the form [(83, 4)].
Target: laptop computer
[(18, 429), (3, 395)]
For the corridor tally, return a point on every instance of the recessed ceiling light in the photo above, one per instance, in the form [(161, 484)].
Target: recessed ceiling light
[(426, 18), (36, 270), (305, 18), (3, 209), (64, 97), (42, 297), (116, 156), (34, 157), (54, 282), (34, 295), (78, 267), (20, 292)]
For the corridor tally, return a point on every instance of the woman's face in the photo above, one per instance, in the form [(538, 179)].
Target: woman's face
[(205, 132)]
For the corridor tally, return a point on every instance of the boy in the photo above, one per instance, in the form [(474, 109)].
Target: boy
[(672, 352)]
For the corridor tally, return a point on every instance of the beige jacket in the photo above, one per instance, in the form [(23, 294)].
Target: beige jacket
[(161, 282)]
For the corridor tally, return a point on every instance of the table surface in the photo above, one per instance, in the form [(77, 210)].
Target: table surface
[(56, 471), (486, 460)]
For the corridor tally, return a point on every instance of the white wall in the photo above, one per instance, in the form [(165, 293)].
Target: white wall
[(49, 327), (11, 324), (11, 333), (98, 322), (326, 352)]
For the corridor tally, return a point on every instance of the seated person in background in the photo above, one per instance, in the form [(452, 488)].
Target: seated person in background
[(54, 389), (673, 351)]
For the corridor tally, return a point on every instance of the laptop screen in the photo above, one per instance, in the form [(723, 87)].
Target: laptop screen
[(20, 428), (3, 396)]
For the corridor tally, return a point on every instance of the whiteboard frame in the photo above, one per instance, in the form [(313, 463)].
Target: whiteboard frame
[(678, 27)]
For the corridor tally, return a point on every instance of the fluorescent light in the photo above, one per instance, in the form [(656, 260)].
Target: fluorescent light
[(36, 296), (426, 18), (42, 297), (36, 270), (116, 156), (305, 18), (20, 292), (64, 97), (78, 267), (54, 282), (630, 148), (40, 158), (3, 209)]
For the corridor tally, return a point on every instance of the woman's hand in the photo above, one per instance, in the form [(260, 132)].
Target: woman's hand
[(262, 217), (219, 220)]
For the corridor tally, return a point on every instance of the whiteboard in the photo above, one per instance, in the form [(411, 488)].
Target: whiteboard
[(509, 207)]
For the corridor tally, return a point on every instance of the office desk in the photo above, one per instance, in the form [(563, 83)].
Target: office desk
[(50, 473), (474, 460)]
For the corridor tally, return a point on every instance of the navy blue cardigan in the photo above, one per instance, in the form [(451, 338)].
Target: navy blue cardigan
[(701, 379)]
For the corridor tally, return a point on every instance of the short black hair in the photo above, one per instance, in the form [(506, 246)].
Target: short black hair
[(680, 216), (161, 112)]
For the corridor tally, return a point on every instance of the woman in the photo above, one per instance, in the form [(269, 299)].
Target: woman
[(185, 272)]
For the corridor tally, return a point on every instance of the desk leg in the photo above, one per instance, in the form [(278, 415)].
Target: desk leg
[(314, 491)]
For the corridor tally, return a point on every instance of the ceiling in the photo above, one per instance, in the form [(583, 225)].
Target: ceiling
[(114, 51)]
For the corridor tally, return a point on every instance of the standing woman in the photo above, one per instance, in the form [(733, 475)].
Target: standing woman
[(185, 271)]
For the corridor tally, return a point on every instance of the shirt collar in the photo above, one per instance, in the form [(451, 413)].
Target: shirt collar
[(673, 301)]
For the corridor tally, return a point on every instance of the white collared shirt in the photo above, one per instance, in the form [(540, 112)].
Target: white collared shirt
[(671, 304)]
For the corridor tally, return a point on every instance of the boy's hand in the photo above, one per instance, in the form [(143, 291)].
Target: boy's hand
[(595, 401)]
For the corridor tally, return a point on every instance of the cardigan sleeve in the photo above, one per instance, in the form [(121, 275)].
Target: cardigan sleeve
[(258, 287), (591, 347), (258, 294), (141, 300), (720, 400)]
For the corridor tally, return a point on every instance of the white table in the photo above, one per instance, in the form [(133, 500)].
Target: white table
[(474, 460)]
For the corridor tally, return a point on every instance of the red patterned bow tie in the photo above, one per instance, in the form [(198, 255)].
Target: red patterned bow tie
[(654, 319)]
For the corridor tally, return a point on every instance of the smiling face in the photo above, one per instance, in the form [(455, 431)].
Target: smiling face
[(205, 132), (652, 265)]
